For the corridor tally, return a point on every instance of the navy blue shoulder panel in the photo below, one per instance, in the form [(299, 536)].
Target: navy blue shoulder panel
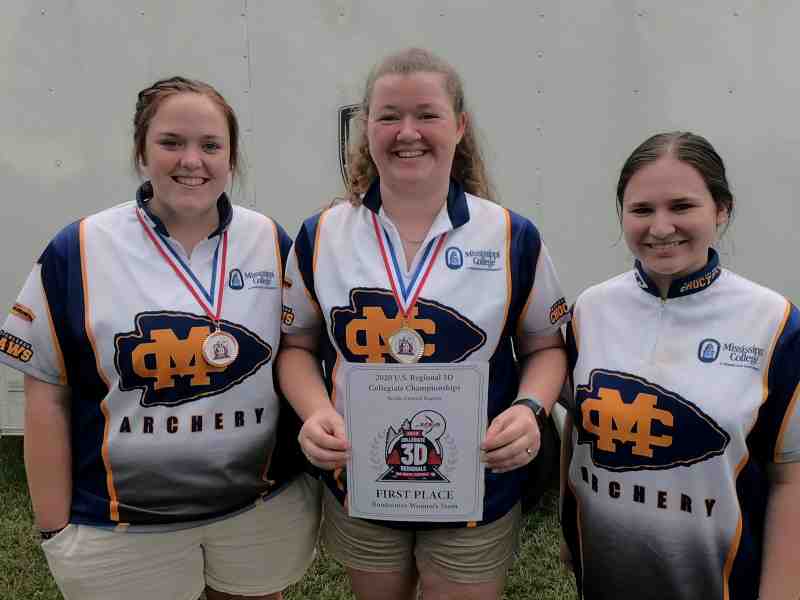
[(304, 247), (62, 280), (526, 244), (284, 243), (782, 380), (572, 344)]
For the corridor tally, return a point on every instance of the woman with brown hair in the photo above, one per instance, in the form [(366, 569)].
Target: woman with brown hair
[(160, 460), (683, 469)]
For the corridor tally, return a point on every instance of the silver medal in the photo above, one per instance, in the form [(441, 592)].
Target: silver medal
[(220, 349), (406, 345)]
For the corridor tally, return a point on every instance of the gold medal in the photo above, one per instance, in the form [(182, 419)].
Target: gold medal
[(406, 345), (220, 349)]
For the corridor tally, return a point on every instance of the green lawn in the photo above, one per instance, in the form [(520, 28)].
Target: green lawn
[(24, 575)]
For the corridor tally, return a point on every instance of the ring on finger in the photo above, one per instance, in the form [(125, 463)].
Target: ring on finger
[(529, 451)]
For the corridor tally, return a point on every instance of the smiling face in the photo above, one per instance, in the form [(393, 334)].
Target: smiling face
[(413, 131), (187, 158), (670, 219)]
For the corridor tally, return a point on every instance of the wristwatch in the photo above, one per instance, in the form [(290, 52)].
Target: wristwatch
[(536, 408), (46, 534)]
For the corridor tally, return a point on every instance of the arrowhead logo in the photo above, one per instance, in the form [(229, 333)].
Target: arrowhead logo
[(163, 358), (634, 424)]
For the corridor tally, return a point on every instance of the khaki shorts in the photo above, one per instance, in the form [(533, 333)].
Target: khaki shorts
[(257, 552), (461, 555)]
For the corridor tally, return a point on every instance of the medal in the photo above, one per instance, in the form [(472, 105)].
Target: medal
[(220, 348), (406, 344)]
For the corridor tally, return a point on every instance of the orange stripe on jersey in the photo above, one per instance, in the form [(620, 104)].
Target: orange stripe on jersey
[(508, 271), (737, 538), (62, 369), (278, 256), (793, 402), (764, 394), (87, 323), (768, 362), (316, 241), (308, 294), (23, 312), (785, 425)]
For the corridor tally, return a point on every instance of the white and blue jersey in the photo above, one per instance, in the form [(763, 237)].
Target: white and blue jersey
[(112, 310), (492, 281), (680, 405)]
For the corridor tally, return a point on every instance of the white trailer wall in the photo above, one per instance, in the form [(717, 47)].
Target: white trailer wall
[(562, 91)]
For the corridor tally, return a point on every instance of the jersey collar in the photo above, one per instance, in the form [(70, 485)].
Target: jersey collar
[(145, 193), (457, 208), (691, 284)]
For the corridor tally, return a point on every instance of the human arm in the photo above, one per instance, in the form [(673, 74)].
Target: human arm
[(48, 452), (780, 577), (566, 457), (322, 436), (514, 431)]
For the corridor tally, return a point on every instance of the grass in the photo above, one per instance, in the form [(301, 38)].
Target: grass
[(536, 575)]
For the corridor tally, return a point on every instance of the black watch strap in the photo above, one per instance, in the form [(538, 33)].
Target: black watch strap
[(46, 534), (536, 408)]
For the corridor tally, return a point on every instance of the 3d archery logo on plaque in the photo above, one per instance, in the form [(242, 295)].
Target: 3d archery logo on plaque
[(415, 433), (414, 452)]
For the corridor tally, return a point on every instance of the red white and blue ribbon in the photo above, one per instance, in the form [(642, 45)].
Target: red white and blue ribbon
[(406, 294), (210, 300)]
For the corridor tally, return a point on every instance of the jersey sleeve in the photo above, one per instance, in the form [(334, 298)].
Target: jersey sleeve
[(567, 399), (301, 313), (546, 309), (284, 242), (28, 341), (784, 390)]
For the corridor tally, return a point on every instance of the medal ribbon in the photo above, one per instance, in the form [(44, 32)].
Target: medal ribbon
[(214, 316), (405, 310)]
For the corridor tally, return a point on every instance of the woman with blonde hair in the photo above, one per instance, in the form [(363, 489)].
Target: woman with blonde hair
[(421, 266)]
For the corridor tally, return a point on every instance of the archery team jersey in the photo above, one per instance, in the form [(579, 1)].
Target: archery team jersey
[(679, 407), (114, 309), (483, 277)]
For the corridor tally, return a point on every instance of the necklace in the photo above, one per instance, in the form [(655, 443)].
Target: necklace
[(408, 241)]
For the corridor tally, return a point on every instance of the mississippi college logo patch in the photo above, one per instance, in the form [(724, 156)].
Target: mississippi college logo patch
[(454, 258), (235, 279), (163, 357), (708, 350), (633, 424)]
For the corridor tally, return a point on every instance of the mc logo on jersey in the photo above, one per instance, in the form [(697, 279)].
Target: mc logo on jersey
[(633, 424), (163, 358), (362, 330)]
